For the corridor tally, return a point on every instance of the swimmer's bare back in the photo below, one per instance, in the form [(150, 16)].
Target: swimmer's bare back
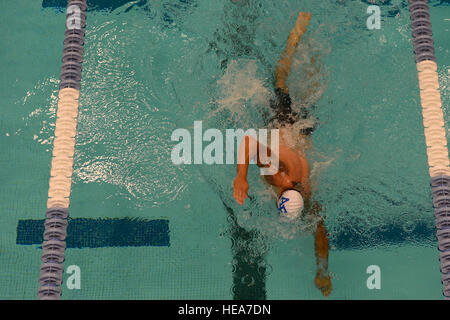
[(293, 169)]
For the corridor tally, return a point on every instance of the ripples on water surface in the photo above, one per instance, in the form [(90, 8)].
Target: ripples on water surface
[(156, 66)]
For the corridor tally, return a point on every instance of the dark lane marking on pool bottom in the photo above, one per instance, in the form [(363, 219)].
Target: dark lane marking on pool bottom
[(354, 236), (249, 261), (95, 233), (96, 4), (98, 233)]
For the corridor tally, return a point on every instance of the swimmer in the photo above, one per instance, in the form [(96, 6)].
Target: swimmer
[(291, 179)]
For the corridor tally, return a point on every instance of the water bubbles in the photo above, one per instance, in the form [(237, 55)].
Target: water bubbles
[(248, 280), (242, 93), (409, 226)]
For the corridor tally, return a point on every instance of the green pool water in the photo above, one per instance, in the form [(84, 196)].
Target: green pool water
[(151, 69)]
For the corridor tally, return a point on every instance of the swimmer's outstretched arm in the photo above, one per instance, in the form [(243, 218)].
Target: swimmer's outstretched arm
[(284, 65), (322, 280), (248, 149)]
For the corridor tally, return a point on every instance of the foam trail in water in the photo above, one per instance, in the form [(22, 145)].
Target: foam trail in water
[(242, 92)]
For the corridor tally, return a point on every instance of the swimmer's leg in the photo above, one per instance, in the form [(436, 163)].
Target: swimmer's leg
[(284, 65), (282, 104)]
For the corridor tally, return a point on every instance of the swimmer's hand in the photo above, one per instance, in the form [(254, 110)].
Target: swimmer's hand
[(240, 189), (323, 283)]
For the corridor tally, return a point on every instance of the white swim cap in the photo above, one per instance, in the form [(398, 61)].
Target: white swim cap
[(290, 204)]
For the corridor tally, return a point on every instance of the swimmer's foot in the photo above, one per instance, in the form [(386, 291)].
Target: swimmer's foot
[(323, 283)]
